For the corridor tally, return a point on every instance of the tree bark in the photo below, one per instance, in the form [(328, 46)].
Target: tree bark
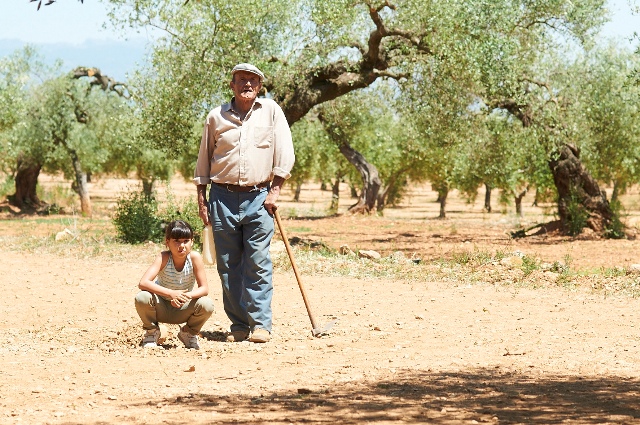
[(518, 199), (616, 192), (298, 190), (353, 191), (80, 186), (370, 180), (26, 182), (487, 197), (443, 192), (147, 187), (574, 183), (390, 187), (335, 193), (336, 79)]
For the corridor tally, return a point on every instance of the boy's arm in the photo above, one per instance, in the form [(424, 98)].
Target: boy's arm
[(147, 283), (201, 276)]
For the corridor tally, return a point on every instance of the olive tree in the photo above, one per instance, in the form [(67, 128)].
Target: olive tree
[(316, 51), (66, 126), (20, 76), (607, 106)]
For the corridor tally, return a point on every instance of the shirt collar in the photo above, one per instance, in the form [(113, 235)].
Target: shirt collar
[(228, 106)]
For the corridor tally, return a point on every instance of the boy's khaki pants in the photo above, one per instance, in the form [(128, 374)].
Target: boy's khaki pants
[(154, 309)]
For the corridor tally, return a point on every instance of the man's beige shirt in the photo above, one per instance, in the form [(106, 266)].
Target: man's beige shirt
[(246, 152)]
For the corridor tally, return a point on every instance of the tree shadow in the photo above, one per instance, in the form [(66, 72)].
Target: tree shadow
[(481, 395)]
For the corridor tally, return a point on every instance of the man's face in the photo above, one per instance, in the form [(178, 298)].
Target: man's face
[(245, 85)]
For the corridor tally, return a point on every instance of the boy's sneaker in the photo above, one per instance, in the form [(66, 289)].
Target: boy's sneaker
[(150, 338), (189, 341)]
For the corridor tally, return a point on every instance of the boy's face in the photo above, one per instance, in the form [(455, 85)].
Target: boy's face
[(179, 247)]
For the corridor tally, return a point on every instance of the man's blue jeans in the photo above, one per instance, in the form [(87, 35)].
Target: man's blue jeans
[(242, 232)]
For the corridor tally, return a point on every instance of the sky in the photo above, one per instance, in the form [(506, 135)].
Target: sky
[(71, 31), (74, 32), (65, 21)]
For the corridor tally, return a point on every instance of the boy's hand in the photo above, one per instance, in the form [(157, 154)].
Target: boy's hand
[(179, 298)]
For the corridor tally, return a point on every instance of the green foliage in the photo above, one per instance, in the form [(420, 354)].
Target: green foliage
[(139, 218), (529, 265), (6, 186), (136, 220), (60, 197), (377, 132), (63, 124), (186, 210), (449, 60), (577, 215), (607, 111), (615, 228), (317, 158)]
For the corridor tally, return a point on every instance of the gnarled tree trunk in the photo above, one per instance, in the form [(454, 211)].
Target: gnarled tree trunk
[(370, 180), (574, 182), (26, 182)]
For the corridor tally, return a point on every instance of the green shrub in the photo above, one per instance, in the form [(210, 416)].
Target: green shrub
[(615, 228), (7, 187), (577, 215), (136, 218), (186, 210)]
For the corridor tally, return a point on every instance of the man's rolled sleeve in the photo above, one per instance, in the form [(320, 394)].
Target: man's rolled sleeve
[(202, 173), (283, 155)]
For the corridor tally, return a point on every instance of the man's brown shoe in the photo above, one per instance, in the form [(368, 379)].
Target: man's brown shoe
[(237, 336), (260, 335)]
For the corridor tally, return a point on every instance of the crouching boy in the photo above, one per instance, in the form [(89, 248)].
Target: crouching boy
[(168, 291)]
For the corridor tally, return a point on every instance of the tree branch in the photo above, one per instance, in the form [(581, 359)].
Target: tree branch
[(330, 81), (47, 3), (106, 83)]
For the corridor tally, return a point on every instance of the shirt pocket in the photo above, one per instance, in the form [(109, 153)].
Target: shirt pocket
[(263, 137)]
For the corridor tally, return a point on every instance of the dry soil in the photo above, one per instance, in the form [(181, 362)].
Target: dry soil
[(411, 351)]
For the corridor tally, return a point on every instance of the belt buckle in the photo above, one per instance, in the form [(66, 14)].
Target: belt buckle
[(255, 188)]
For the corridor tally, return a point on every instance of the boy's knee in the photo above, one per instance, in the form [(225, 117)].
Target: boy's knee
[(144, 297), (206, 304)]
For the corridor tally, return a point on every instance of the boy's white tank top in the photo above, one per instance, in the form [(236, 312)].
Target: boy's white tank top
[(182, 280)]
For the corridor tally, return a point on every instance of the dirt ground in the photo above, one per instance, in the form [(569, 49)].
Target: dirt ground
[(401, 351)]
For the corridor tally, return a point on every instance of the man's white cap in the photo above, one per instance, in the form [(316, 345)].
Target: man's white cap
[(248, 68)]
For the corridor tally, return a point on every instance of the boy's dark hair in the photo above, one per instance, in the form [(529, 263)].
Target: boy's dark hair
[(178, 229)]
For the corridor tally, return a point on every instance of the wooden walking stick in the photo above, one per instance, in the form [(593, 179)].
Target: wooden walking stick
[(316, 330)]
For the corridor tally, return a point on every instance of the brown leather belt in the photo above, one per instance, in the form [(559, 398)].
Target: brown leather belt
[(237, 188)]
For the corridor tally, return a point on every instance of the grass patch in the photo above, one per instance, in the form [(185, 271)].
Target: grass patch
[(90, 238), (529, 265), (300, 229), (60, 197)]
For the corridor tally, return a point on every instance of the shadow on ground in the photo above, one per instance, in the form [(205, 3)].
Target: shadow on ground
[(482, 395)]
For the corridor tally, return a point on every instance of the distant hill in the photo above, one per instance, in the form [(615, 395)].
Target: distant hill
[(114, 58)]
